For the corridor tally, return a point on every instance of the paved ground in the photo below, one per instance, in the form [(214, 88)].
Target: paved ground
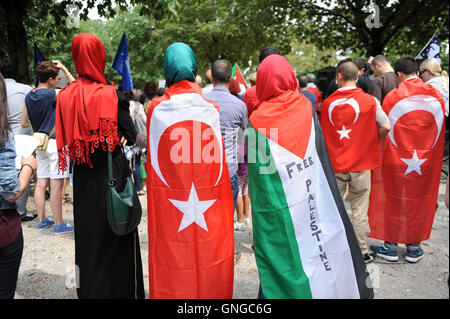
[(47, 269)]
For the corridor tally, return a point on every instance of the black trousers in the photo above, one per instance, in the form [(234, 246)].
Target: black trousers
[(10, 257)]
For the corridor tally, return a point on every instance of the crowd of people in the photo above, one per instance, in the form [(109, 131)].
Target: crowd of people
[(390, 177)]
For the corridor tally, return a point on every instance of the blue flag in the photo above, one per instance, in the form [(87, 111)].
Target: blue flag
[(38, 58), (122, 64), (432, 50)]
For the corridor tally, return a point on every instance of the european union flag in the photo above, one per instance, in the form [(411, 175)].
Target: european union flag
[(432, 50), (38, 58), (122, 64)]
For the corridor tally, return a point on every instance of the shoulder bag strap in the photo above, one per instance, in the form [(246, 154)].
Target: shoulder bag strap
[(111, 181)]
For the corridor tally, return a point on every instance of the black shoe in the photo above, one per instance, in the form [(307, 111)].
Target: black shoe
[(368, 257), (27, 217)]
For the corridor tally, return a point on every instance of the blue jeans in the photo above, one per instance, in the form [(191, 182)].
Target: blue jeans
[(10, 257), (394, 246), (234, 188)]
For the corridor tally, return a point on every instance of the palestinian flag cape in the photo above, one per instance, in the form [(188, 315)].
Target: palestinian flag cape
[(405, 188), (304, 242), (190, 204)]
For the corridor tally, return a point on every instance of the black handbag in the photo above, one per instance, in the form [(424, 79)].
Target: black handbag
[(124, 209)]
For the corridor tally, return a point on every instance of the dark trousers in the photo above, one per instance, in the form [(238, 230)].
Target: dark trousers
[(10, 257), (137, 172)]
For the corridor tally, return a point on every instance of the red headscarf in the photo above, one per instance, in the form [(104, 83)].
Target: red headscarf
[(275, 76), (86, 110)]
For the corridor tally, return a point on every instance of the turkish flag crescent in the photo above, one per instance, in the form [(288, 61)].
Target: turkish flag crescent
[(349, 128), (190, 203), (405, 188)]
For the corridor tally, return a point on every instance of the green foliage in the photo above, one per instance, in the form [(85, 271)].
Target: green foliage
[(308, 33), (341, 24), (305, 58)]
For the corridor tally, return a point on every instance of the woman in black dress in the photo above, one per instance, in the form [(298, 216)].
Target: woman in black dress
[(90, 113)]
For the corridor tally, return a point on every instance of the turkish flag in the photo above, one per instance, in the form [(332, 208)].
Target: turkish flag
[(405, 188), (348, 121), (190, 203)]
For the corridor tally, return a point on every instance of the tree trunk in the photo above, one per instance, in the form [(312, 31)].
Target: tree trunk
[(17, 37), (376, 45)]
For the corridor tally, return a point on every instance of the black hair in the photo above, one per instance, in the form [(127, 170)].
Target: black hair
[(221, 71), (302, 81), (8, 72), (150, 89), (406, 65), (266, 52)]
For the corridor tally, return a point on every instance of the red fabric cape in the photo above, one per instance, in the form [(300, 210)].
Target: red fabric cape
[(192, 262), (358, 150), (403, 196), (86, 110)]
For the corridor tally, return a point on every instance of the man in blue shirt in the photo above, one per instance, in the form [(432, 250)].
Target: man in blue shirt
[(233, 117), (39, 112)]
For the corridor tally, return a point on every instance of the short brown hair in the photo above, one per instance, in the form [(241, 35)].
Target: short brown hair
[(348, 70), (46, 70)]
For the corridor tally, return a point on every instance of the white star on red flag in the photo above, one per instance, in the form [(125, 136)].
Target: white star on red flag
[(344, 133), (193, 210), (413, 163)]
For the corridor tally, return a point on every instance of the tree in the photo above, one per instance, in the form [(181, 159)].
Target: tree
[(16, 16), (342, 24), (219, 29)]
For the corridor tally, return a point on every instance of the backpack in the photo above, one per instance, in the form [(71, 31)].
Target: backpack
[(140, 124)]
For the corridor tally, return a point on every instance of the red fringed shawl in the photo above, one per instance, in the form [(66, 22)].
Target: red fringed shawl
[(86, 110)]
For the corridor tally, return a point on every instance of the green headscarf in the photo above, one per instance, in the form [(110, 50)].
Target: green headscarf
[(179, 64)]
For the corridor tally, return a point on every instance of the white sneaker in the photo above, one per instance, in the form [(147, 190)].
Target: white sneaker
[(239, 226), (246, 221)]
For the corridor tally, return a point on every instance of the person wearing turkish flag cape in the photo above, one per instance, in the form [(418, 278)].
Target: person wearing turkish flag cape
[(91, 118), (190, 203), (405, 187), (350, 122), (305, 246)]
